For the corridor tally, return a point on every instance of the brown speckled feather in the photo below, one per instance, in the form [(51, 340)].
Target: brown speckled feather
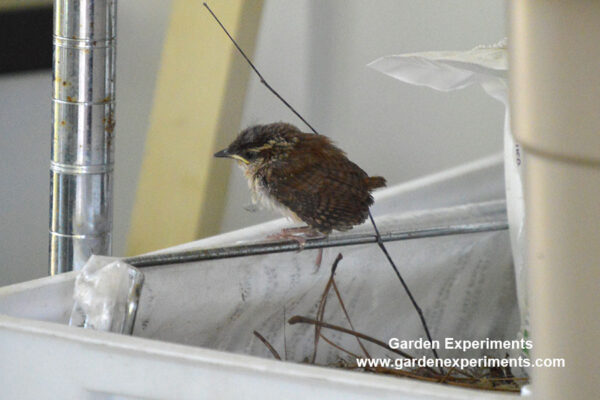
[(319, 184)]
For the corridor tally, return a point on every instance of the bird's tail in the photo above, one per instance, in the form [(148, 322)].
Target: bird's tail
[(374, 182)]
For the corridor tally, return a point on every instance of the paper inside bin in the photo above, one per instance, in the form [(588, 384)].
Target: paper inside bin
[(464, 284)]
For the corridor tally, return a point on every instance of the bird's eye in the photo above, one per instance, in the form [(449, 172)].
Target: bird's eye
[(249, 155)]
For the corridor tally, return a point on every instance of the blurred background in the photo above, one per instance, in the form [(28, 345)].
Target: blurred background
[(313, 52)]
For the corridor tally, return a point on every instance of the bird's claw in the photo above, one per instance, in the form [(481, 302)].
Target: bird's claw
[(300, 236), (283, 235)]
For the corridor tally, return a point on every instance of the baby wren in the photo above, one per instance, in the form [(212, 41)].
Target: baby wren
[(304, 176)]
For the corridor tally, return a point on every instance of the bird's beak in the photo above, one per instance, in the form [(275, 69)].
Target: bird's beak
[(226, 154), (223, 153)]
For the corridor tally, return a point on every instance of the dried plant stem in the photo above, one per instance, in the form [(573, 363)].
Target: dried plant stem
[(321, 311), (337, 346), (322, 303), (339, 296), (474, 383), (404, 285), (298, 319), (262, 80), (507, 379), (268, 345), (399, 372), (379, 240), (285, 355), (448, 374)]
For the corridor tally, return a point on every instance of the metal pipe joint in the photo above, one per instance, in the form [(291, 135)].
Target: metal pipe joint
[(83, 122)]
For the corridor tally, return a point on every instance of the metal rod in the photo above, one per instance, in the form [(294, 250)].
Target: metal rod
[(333, 241), (83, 120)]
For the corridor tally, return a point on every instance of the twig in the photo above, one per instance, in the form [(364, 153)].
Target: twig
[(404, 285), (472, 378), (445, 377), (468, 375), (322, 303), (262, 80), (285, 355), (268, 345), (474, 385), (320, 313), (401, 372), (379, 241), (339, 296), (337, 346), (450, 381), (298, 319), (448, 378)]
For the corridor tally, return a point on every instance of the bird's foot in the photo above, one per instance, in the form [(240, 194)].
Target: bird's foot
[(300, 235), (318, 260), (251, 207)]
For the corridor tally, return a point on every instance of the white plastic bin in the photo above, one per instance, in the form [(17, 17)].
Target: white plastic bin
[(189, 314)]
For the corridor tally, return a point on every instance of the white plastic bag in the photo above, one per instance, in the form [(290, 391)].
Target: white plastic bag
[(106, 295), (488, 67)]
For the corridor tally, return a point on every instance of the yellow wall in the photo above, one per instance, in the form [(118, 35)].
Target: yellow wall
[(21, 4), (197, 109)]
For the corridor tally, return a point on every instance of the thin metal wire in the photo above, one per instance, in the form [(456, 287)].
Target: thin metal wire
[(260, 248)]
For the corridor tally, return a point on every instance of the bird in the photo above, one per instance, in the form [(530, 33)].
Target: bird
[(303, 176)]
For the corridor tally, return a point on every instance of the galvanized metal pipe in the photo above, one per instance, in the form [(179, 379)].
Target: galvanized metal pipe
[(344, 239), (83, 121)]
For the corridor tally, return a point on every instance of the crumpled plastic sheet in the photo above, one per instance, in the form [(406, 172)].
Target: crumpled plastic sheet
[(485, 65), (452, 70), (464, 285), (105, 295)]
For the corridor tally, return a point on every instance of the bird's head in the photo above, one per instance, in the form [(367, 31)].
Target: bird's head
[(262, 142)]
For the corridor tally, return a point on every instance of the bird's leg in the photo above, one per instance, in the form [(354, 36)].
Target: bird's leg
[(319, 259), (300, 235), (251, 207)]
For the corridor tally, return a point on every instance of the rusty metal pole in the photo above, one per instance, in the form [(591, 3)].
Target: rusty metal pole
[(83, 121)]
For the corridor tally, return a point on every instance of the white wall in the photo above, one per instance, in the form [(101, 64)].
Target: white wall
[(24, 175), (314, 53)]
